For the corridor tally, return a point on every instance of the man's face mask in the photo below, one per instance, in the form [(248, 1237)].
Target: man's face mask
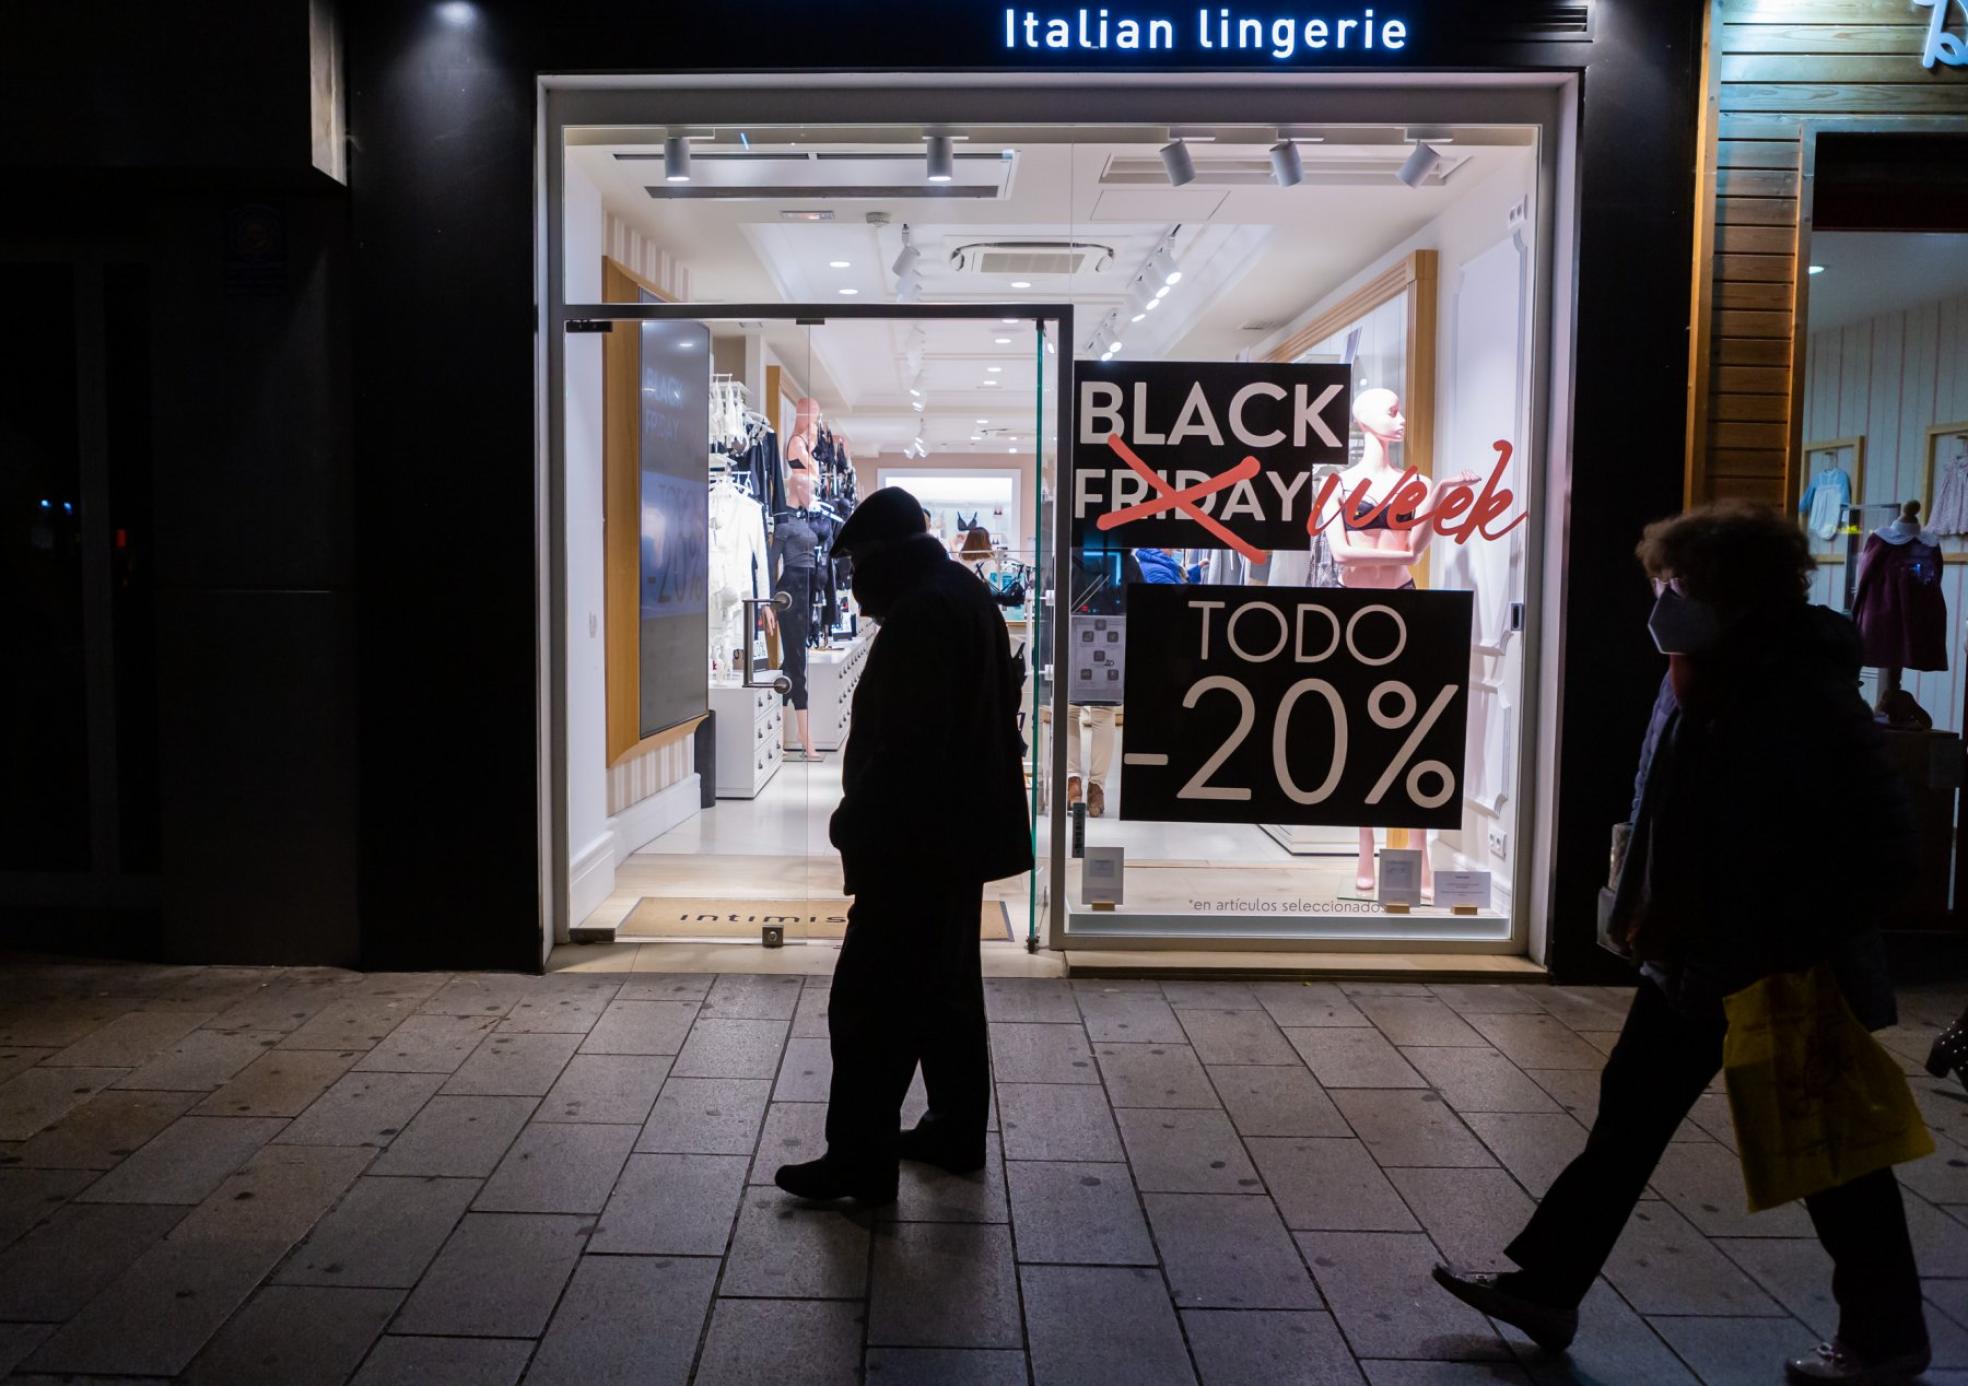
[(1682, 625)]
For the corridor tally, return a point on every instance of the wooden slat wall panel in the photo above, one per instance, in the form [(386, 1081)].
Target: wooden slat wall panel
[(1778, 66)]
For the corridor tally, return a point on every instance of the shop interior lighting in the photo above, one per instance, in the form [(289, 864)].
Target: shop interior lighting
[(840, 264), (1817, 269), (676, 159), (1001, 341), (1181, 168), (1286, 170), (1162, 265), (1424, 161), (939, 158), (1020, 284), (906, 261)]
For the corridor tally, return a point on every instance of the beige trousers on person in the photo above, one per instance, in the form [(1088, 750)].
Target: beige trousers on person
[(1099, 722)]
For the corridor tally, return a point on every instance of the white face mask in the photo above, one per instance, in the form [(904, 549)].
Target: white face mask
[(1681, 625)]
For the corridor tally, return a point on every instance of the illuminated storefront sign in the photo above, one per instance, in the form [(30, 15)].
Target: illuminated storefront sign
[(1942, 46), (1212, 29)]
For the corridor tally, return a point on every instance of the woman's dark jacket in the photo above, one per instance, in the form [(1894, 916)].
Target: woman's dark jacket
[(933, 785), (1768, 830)]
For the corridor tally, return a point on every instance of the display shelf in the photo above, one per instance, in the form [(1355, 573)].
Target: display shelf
[(749, 738)]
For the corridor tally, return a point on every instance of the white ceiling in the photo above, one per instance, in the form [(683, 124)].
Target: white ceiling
[(1867, 273), (1253, 255)]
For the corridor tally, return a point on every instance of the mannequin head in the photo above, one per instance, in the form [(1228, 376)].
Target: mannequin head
[(799, 487), (1378, 412)]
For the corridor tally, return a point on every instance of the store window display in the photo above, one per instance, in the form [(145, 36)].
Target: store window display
[(802, 536), (1900, 609)]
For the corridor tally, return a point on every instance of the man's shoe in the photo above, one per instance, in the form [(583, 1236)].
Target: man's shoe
[(826, 1179), (1096, 799), (1834, 1361), (1072, 790), (928, 1145), (1550, 1326)]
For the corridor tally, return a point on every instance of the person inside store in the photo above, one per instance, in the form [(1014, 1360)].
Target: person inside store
[(1759, 745), (932, 809)]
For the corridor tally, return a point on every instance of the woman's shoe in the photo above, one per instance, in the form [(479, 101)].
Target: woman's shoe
[(1833, 1361), (1950, 1051)]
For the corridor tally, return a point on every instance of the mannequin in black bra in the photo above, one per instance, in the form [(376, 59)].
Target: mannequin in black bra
[(798, 533)]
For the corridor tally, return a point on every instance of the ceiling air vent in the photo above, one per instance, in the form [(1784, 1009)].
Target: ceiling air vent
[(1031, 257), (1534, 21)]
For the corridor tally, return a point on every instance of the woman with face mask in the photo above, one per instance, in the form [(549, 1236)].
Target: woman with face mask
[(1759, 754)]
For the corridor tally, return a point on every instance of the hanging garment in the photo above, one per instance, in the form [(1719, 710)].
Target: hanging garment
[(737, 568), (1951, 495), (1824, 502), (1900, 610)]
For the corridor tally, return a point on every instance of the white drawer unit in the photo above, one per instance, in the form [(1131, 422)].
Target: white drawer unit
[(831, 677), (750, 744)]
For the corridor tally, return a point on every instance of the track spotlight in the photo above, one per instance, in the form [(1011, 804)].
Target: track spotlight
[(1181, 168), (676, 159), (1163, 267), (939, 159), (1286, 169), (906, 261), (1424, 161)]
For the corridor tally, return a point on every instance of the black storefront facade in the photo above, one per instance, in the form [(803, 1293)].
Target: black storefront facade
[(349, 625)]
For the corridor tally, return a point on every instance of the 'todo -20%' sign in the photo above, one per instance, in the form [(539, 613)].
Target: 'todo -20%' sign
[(1296, 705)]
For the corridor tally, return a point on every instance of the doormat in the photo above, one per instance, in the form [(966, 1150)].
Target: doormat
[(683, 916)]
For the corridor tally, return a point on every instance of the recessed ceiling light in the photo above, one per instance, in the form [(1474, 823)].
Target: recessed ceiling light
[(983, 421), (1011, 449), (988, 382), (976, 437), (994, 369), (1002, 341), (840, 264), (1139, 316), (676, 159), (1020, 284), (1007, 319), (850, 292), (1153, 304)]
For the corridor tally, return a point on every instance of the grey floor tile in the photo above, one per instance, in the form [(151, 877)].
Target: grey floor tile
[(459, 1137), (363, 1109), (706, 1116), (1265, 1100), (274, 1198), (1940, 1243), (1269, 1348), (1445, 1374), (280, 1008), (103, 1130), (185, 1161), (1420, 1021), (626, 1321), (1078, 1214), (641, 1027), (732, 1049), (1054, 1121), (1128, 1017), (1027, 1052), (809, 1343), (1329, 1185), (737, 996), (558, 1167), (1533, 1146), (1734, 1352), (1705, 1185), (200, 1061), (428, 1044), (15, 1057), (295, 1335), (1587, 1008), (1577, 1091), (1537, 1041), (1350, 1057), (383, 1234), (359, 1023), (929, 1194), (946, 1367), (563, 1009), (1489, 999), (1247, 1036), (1711, 1115), (805, 1073), (1613, 1344), (944, 1284), (36, 1098), (1663, 1265), (672, 1205), (1030, 999), (1314, 1004), (810, 1019), (1479, 1080), (129, 1041), (1471, 1213), (61, 1265), (1228, 1252), (794, 1133), (1212, 996), (1154, 1075), (500, 1273), (1380, 1291), (54, 1025), (278, 1084), (1795, 1271), (1176, 1151), (399, 1361), (1134, 1341), (401, 986), (1357, 990), (666, 986), (512, 1066), (786, 1249), (1411, 1127), (609, 1088), (482, 994)]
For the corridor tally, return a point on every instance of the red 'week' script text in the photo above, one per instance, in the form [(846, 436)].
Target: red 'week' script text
[(1410, 491)]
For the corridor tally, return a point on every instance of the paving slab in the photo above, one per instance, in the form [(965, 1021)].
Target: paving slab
[(672, 1205), (810, 1018), (608, 1088), (1269, 1348), (1028, 1052), (1420, 1021), (500, 1273), (103, 1130), (1030, 999), (944, 1284), (1154, 1075), (1134, 1341), (185, 1161), (1267, 1100), (1228, 1252), (1479, 1080), (1534, 1146), (787, 1249), (36, 1098), (383, 1234), (1323, 1184), (558, 1167), (411, 1361), (1613, 1344), (1489, 998), (15, 1057), (1056, 1121), (363, 1109), (1217, 996), (1234, 1036), (1411, 1127), (481, 994), (806, 1072), (1940, 1243), (929, 1194), (1078, 1214), (641, 1027), (1380, 1292), (1349, 1057), (1705, 1184), (512, 1066), (1175, 1151), (78, 1252), (129, 1041), (28, 1196), (295, 1335), (666, 986), (1663, 1265), (1734, 1352), (1537, 1041), (626, 1321), (56, 1025), (1314, 1004), (798, 1343), (1794, 1271), (736, 996), (1129, 1017), (732, 1049), (459, 1137), (280, 1008), (946, 1367), (1471, 1213), (1445, 1374), (200, 1061), (428, 1044), (360, 1022), (564, 1009), (278, 1084), (706, 1116), (794, 1133)]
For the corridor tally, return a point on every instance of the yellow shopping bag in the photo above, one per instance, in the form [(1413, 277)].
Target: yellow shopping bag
[(1815, 1100)]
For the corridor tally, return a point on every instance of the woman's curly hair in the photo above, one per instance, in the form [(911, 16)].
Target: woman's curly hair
[(1735, 554)]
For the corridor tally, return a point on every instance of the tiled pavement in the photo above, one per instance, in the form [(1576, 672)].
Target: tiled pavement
[(301, 1176)]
